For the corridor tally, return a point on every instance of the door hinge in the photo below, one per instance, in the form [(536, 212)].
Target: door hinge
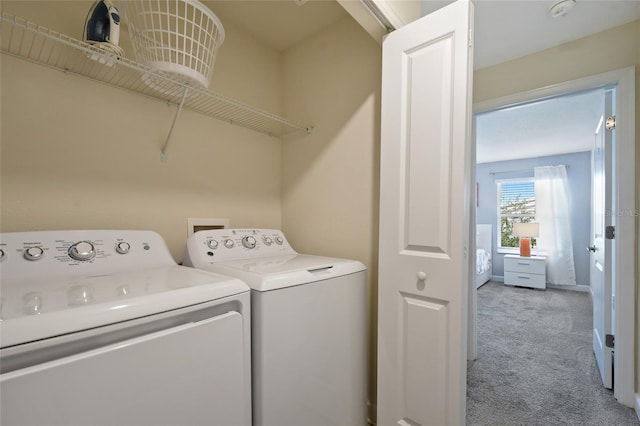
[(609, 340), (610, 232), (610, 124)]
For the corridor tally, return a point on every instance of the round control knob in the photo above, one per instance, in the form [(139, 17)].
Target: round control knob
[(268, 241), (123, 247), (279, 240), (33, 253), (228, 243), (213, 244), (82, 250), (249, 242), (2, 255)]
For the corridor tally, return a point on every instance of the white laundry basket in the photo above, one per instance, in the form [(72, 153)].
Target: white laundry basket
[(178, 37)]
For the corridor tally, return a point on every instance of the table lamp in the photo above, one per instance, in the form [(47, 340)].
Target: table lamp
[(525, 231)]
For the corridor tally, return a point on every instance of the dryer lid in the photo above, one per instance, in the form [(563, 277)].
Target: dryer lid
[(271, 273), (39, 309)]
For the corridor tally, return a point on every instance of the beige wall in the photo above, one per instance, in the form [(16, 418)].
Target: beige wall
[(610, 50), (79, 154), (331, 177)]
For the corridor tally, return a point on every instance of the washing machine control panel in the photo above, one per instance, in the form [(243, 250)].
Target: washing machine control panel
[(51, 254), (218, 245)]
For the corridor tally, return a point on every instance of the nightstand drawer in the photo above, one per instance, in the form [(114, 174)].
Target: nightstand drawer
[(524, 280), (529, 266)]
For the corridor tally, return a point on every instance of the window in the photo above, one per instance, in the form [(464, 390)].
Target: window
[(516, 203)]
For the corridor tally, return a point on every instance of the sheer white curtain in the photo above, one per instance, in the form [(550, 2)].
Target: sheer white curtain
[(552, 213)]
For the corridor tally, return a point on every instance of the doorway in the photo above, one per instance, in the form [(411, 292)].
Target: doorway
[(622, 266), (511, 143)]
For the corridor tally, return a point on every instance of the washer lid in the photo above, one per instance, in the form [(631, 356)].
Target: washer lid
[(271, 273), (38, 309)]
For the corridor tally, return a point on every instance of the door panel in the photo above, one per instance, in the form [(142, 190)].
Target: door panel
[(424, 220), (428, 118), (427, 318)]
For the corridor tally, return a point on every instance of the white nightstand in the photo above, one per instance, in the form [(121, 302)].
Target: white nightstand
[(525, 271)]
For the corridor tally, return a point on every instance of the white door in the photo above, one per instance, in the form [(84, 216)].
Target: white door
[(425, 184), (600, 248)]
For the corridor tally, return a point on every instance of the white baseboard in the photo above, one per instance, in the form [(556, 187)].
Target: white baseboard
[(372, 413), (497, 278), (638, 405), (581, 288)]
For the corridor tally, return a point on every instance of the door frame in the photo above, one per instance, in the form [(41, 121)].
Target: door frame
[(624, 206)]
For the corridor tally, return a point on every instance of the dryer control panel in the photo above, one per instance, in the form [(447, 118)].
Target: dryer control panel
[(221, 245)]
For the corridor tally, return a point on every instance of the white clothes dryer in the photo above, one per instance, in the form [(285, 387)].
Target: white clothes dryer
[(104, 328), (309, 332)]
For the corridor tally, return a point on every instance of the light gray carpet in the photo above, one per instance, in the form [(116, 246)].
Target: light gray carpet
[(535, 362)]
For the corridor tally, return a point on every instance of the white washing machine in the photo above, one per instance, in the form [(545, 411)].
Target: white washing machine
[(104, 328), (309, 332)]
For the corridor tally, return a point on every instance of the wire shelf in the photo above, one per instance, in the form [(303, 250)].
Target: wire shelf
[(35, 43)]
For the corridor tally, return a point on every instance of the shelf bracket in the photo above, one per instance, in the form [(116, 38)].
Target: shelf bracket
[(163, 157)]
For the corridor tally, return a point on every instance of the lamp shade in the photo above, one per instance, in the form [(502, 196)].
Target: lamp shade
[(526, 229)]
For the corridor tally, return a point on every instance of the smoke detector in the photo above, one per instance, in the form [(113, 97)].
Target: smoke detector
[(562, 8)]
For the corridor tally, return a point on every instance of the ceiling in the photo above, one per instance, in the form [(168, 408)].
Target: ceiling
[(549, 127), (510, 29), (279, 24)]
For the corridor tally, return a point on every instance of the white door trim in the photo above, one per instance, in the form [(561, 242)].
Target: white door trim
[(624, 206)]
